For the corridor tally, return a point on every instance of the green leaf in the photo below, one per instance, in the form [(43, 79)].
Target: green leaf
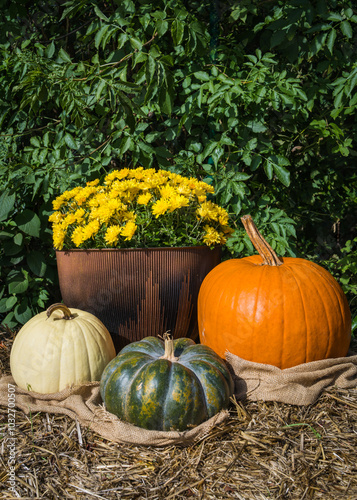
[(217, 153), (35, 142), (64, 56), (331, 40), (354, 324), (100, 14), (37, 263), (277, 38), (100, 35), (50, 50), (99, 90), (7, 202), (256, 161), (346, 29), (241, 176), (10, 248), (135, 43), (177, 31), (202, 75), (268, 169), (151, 90), (122, 38), (10, 302), (28, 222), (5, 235), (71, 143), (318, 42), (166, 100), (126, 143), (18, 284), (22, 311), (282, 174), (68, 10), (9, 320), (256, 126), (3, 307), (18, 238), (207, 151), (150, 68), (335, 16), (162, 26)]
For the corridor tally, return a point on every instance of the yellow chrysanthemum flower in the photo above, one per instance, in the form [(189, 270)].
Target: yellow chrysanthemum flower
[(127, 215), (223, 217), (116, 174), (141, 174), (93, 183), (212, 237), (56, 217), (77, 236), (58, 237), (59, 202), (129, 230), (112, 234), (178, 201), (79, 214), (208, 210), (91, 229), (143, 199), (97, 200), (127, 189), (84, 194), (167, 191), (160, 207), (183, 189), (68, 220), (136, 173), (105, 211)]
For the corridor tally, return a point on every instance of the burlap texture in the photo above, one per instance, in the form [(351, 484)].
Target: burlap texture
[(301, 385), (84, 403)]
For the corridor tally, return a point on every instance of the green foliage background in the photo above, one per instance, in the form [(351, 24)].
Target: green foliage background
[(258, 98)]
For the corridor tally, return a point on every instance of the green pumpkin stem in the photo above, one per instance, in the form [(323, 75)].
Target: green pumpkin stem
[(169, 348), (66, 312), (266, 252)]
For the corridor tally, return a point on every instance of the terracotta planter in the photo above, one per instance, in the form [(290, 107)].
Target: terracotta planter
[(137, 292)]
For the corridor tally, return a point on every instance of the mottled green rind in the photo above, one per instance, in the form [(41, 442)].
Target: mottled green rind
[(157, 394)]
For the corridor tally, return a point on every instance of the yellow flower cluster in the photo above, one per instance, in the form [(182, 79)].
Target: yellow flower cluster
[(138, 207)]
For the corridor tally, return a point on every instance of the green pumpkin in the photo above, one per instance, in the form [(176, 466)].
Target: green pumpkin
[(170, 385)]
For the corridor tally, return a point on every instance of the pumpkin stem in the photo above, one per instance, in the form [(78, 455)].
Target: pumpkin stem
[(169, 348), (66, 312), (266, 252)]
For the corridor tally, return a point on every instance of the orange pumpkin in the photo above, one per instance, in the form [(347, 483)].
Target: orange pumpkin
[(277, 311)]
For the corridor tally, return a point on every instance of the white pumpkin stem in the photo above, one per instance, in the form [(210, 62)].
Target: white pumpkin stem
[(266, 252), (169, 348), (62, 307)]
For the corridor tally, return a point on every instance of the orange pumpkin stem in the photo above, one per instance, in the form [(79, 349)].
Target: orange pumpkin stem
[(266, 252), (66, 312)]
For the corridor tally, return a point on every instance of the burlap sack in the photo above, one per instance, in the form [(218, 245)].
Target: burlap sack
[(301, 385), (84, 403)]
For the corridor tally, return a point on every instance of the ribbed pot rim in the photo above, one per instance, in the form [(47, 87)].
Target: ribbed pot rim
[(85, 250)]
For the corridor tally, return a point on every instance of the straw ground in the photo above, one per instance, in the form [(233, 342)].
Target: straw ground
[(264, 451)]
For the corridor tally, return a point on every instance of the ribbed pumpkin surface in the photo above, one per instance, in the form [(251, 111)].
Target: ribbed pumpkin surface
[(52, 353), (283, 316), (140, 386), (283, 312)]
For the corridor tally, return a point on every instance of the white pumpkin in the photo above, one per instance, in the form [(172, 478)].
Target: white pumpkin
[(59, 348)]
